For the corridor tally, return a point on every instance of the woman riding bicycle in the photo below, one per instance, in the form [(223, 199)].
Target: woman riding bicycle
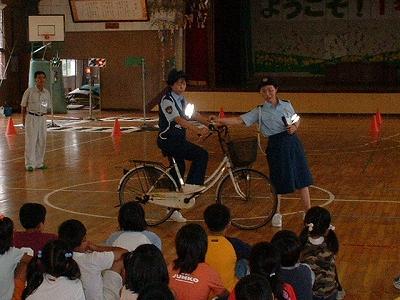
[(247, 192), (173, 124)]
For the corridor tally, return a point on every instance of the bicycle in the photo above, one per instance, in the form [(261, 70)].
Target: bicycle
[(247, 192)]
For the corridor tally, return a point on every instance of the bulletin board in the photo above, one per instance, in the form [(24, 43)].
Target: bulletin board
[(109, 10)]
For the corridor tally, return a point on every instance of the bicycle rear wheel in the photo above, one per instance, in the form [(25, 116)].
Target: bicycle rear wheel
[(253, 202), (139, 183)]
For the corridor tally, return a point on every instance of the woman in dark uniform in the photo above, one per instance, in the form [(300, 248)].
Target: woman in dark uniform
[(285, 154), (173, 124)]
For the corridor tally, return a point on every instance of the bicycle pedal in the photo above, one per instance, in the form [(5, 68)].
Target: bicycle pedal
[(187, 200)]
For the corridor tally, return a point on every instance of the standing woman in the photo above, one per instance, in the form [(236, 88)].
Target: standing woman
[(285, 154)]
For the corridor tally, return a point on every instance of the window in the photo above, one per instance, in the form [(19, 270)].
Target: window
[(68, 67)]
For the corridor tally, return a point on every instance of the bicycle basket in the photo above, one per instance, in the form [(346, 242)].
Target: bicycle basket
[(243, 151)]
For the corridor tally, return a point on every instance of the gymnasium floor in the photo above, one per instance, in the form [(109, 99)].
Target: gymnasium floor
[(357, 179)]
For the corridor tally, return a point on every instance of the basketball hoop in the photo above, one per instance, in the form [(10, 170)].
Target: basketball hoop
[(46, 28), (47, 37)]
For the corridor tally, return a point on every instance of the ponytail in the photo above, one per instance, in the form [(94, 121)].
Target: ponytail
[(72, 270), (332, 241), (303, 237), (34, 277)]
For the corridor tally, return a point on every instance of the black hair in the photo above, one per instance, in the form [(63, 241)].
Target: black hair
[(316, 224), (31, 215), (174, 75), (156, 291), (191, 248), (6, 234), (288, 245), (73, 232), (217, 217), (131, 217), (144, 265), (56, 260), (265, 260), (253, 287), (37, 73)]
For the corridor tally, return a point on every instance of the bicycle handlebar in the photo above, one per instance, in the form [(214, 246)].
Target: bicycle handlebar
[(212, 128), (219, 129), (222, 132)]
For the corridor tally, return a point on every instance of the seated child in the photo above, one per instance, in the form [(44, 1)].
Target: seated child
[(143, 266), (265, 260), (53, 274), (132, 224), (10, 257), (32, 217), (252, 287), (223, 252), (319, 248), (297, 274), (189, 276), (92, 259)]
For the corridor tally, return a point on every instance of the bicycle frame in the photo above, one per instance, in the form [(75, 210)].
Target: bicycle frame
[(186, 200), (213, 178), (151, 184), (219, 171)]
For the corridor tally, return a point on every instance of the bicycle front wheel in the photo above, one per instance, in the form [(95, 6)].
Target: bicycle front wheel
[(138, 184), (250, 197)]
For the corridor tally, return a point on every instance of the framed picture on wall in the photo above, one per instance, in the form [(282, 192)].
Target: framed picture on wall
[(109, 10)]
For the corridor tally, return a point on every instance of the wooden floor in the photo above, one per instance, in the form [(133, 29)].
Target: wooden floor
[(361, 176)]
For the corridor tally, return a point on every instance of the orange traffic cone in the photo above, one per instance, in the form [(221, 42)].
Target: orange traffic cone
[(117, 143), (11, 142), (10, 127), (379, 118), (116, 129), (374, 129), (221, 113)]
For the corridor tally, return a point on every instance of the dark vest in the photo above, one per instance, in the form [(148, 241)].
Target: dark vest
[(174, 130)]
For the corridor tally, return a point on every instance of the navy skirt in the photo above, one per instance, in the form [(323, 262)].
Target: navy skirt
[(288, 168)]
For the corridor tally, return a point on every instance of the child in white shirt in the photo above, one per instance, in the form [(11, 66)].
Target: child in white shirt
[(53, 274), (92, 260), (10, 257)]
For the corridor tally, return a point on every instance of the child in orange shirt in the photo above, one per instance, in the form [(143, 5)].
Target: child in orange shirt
[(189, 276)]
